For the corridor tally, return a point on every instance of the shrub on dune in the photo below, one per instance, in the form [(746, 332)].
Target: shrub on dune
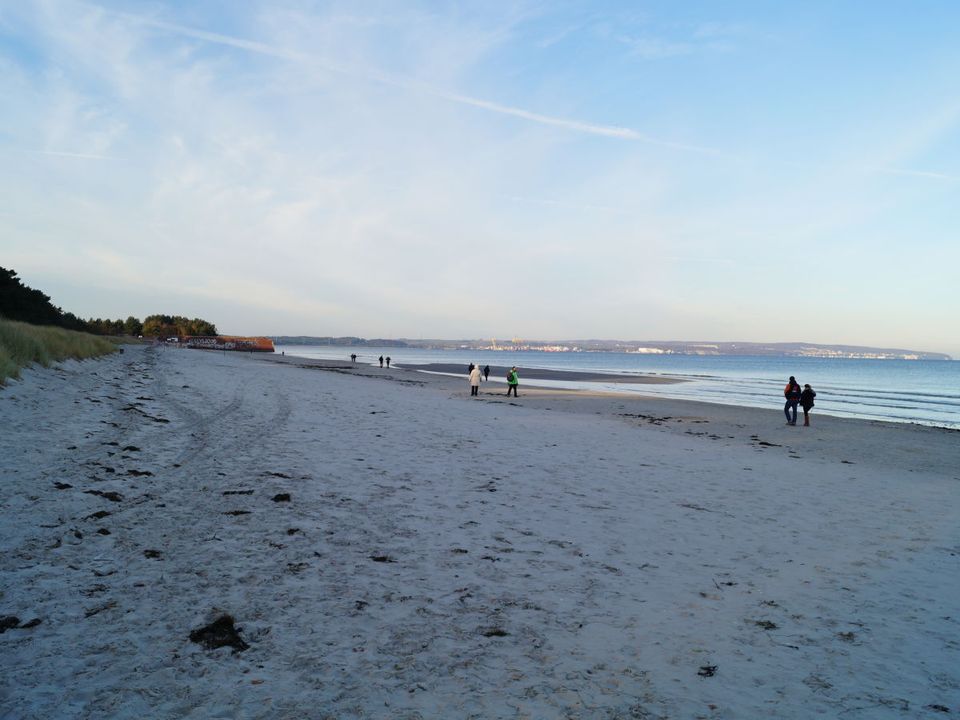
[(22, 344)]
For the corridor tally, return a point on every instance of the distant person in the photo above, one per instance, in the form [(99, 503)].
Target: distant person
[(806, 402), (513, 382), (470, 368), (792, 394), (388, 361), (486, 372), (381, 361), (474, 380), (353, 358)]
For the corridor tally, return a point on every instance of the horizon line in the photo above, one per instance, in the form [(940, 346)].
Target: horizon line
[(517, 341)]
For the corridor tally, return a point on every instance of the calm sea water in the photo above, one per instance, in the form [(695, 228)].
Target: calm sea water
[(917, 391)]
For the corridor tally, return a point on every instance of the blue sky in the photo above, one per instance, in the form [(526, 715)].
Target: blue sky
[(637, 170)]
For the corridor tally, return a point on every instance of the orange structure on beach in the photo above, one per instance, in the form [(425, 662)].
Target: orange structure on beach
[(228, 342)]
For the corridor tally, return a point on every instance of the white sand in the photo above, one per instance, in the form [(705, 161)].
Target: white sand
[(619, 555)]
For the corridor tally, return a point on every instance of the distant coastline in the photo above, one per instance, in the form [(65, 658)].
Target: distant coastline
[(642, 347)]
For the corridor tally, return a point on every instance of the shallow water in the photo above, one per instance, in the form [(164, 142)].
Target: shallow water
[(917, 391)]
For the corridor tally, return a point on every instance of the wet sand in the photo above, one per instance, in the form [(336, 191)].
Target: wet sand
[(499, 372)]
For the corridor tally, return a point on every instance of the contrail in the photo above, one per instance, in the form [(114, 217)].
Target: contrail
[(578, 126), (610, 131), (83, 156), (911, 173)]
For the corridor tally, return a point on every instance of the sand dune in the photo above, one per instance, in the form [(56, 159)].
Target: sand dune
[(388, 547)]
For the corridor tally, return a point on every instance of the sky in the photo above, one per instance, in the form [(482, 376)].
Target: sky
[(736, 171)]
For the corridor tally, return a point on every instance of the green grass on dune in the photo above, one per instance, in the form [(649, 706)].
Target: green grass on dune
[(22, 344)]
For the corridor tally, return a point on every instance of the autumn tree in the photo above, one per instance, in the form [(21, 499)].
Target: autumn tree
[(176, 326), (132, 326), (159, 326)]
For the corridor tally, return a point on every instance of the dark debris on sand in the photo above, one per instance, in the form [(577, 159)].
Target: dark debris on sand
[(12, 622), (220, 633), (109, 495), (494, 632)]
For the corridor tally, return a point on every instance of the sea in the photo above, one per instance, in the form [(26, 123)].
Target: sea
[(925, 392)]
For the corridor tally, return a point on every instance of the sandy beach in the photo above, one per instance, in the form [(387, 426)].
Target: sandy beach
[(389, 547)]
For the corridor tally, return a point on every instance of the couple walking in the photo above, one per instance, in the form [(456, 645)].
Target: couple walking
[(795, 396), (476, 374)]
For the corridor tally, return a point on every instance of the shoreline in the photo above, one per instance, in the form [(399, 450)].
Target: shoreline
[(455, 376), (497, 372), (842, 439)]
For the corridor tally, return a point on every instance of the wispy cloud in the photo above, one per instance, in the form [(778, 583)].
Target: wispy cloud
[(700, 259), (565, 204), (78, 155), (706, 37), (653, 48), (713, 30), (913, 173), (557, 37), (611, 131), (854, 169), (573, 125)]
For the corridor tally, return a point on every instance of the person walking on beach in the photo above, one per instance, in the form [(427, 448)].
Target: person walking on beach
[(470, 368), (792, 393), (513, 381), (388, 362), (353, 358), (486, 372), (806, 402), (381, 361), (474, 380)]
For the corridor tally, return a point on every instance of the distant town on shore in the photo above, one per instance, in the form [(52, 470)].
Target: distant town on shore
[(644, 347)]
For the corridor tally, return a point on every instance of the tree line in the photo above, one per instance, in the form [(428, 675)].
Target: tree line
[(152, 326), (19, 302)]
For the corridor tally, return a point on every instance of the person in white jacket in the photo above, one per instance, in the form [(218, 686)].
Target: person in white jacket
[(475, 376)]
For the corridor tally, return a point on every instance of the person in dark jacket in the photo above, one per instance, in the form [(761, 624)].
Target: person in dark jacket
[(486, 372), (806, 402), (792, 393)]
